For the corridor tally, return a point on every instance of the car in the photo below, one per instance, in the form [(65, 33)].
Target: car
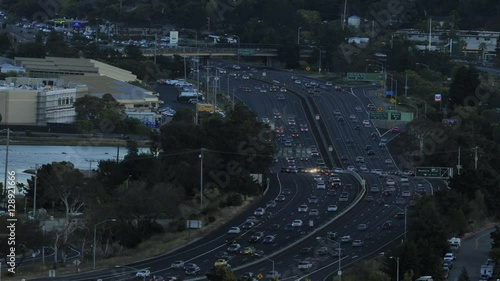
[(366, 122), (370, 153), (387, 225), (273, 274), (283, 90), (362, 227), (297, 223), (320, 185), (306, 251), (245, 77), (258, 253), (400, 215), (271, 204), (280, 198), (337, 88), (338, 252), (323, 251), (303, 208), (192, 270), (247, 225), (449, 257), (177, 264), (222, 255), (220, 262), (406, 193), (346, 239), (357, 243), (344, 196), (269, 239), (280, 97), (331, 192), (387, 192), (313, 200), (252, 219), (231, 239), (234, 247), (248, 276), (337, 112), (256, 237), (143, 273), (247, 251), (305, 265), (363, 168), (234, 230), (259, 212), (374, 188), (357, 128), (395, 130), (298, 82), (169, 278), (338, 170), (376, 171), (358, 109), (360, 159), (369, 198), (314, 152), (332, 208), (390, 181), (371, 106), (314, 212), (286, 191), (448, 264), (400, 201)]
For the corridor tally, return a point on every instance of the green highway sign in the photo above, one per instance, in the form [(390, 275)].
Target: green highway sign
[(355, 76), (378, 115), (246, 52), (395, 116), (359, 76), (428, 172)]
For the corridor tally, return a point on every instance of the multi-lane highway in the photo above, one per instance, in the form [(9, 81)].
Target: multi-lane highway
[(285, 111)]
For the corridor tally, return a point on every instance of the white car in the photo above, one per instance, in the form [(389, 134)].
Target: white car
[(177, 264), (329, 84), (297, 223), (234, 230), (406, 193), (259, 212), (338, 170), (332, 208), (366, 122), (303, 208), (305, 265), (345, 239), (234, 247), (143, 273), (363, 168), (298, 82), (321, 185), (357, 243), (390, 181), (245, 77), (448, 257)]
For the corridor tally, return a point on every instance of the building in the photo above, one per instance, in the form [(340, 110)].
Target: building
[(134, 98), (55, 67), (483, 43), (24, 104)]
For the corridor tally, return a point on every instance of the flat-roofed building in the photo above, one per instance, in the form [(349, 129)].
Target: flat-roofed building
[(18, 105), (55, 67)]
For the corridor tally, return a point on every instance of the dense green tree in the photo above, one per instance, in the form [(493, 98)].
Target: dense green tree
[(464, 275), (221, 273), (464, 85)]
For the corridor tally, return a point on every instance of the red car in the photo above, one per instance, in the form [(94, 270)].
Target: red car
[(395, 130)]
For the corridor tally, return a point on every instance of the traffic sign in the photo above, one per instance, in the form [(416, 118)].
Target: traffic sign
[(437, 97), (395, 115), (308, 68), (378, 115), (393, 100), (355, 76), (380, 109), (260, 276), (428, 171), (246, 52)]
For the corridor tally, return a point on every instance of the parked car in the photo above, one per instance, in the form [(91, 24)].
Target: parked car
[(305, 265)]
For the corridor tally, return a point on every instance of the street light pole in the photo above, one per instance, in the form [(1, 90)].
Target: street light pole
[(34, 192), (319, 58), (95, 239), (274, 273), (397, 265), (238, 50), (339, 273), (298, 35), (201, 178)]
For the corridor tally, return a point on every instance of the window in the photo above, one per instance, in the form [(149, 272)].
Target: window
[(59, 101)]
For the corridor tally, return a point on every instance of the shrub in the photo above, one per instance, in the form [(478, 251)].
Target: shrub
[(234, 200)]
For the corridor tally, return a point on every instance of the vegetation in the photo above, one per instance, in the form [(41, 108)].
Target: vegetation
[(145, 188)]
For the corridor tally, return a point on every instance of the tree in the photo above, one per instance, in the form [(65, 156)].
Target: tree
[(464, 276), (221, 273), (379, 276), (465, 83), (105, 113), (133, 52)]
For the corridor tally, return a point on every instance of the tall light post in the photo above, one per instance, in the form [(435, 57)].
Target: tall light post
[(397, 269), (201, 177), (238, 49), (344, 15), (425, 104), (274, 272), (34, 192), (319, 59), (95, 238), (383, 71), (196, 35), (395, 92), (298, 35), (339, 273)]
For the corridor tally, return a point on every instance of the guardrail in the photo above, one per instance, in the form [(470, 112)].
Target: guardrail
[(316, 230), (209, 50)]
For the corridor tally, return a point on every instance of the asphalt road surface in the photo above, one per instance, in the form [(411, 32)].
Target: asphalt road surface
[(472, 254)]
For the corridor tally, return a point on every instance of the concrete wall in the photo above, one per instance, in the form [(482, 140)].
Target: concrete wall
[(18, 107)]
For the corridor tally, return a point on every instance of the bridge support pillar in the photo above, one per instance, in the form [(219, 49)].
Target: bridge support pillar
[(272, 62)]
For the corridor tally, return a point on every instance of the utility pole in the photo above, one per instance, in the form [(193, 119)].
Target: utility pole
[(4, 191), (406, 84), (208, 73), (475, 158), (344, 15), (118, 154), (34, 193), (90, 167), (201, 178), (459, 166)]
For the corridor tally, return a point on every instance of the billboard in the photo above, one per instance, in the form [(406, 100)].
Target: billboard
[(174, 37)]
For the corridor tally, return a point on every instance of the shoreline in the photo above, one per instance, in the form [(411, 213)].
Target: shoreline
[(69, 141)]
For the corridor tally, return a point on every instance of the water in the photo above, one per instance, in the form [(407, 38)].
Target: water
[(23, 157)]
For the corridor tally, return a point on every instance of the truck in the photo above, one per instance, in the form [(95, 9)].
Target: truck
[(455, 243), (187, 96), (487, 270)]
